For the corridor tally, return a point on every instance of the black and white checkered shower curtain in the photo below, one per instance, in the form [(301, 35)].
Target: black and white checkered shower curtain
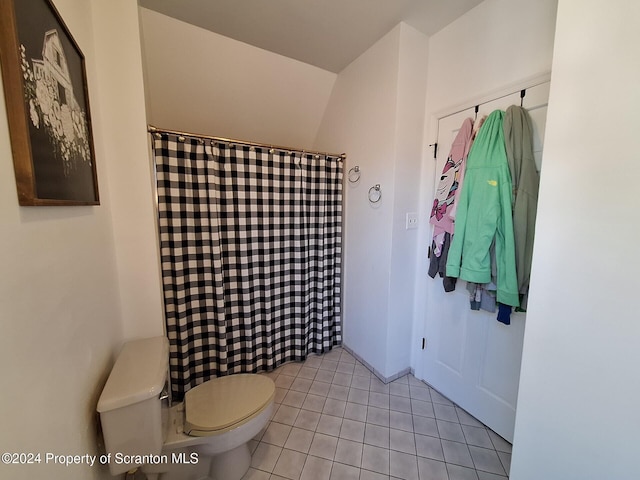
[(251, 247)]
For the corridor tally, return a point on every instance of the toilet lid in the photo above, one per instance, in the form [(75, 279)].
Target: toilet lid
[(218, 405)]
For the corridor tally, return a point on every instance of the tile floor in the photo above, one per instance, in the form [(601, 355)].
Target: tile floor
[(334, 420)]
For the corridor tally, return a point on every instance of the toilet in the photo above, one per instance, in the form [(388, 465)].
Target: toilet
[(216, 420)]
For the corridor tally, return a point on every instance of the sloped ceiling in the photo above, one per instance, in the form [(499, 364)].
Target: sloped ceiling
[(329, 34)]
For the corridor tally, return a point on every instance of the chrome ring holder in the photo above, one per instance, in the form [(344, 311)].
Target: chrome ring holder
[(354, 174), (375, 194)]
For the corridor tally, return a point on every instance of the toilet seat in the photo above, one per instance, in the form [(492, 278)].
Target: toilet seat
[(222, 404)]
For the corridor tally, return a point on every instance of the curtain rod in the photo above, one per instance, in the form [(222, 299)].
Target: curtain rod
[(152, 129)]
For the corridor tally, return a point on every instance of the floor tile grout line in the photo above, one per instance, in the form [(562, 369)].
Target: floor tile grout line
[(366, 422)]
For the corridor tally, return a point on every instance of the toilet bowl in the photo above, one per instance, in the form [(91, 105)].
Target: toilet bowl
[(217, 418)]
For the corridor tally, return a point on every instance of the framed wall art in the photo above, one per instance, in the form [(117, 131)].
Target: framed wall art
[(45, 89)]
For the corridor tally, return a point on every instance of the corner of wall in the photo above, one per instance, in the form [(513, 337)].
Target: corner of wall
[(360, 119), (125, 145), (408, 138), (376, 114)]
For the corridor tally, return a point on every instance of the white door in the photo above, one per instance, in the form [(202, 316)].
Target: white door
[(471, 357)]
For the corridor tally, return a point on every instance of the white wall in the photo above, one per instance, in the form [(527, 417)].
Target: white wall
[(410, 115), (376, 116), (198, 81), (497, 43), (578, 415), (61, 315), (494, 45), (360, 120), (126, 145)]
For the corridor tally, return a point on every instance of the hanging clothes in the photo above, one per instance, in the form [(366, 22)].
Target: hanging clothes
[(476, 128), (482, 296), (448, 188), (484, 214), (525, 180), (438, 264), (447, 194)]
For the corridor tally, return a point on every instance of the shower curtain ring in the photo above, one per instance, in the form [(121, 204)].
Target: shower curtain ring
[(375, 194), (354, 174)]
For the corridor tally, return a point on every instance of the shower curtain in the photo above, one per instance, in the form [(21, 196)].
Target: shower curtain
[(251, 247)]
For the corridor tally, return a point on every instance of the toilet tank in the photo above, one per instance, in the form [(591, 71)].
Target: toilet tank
[(130, 406)]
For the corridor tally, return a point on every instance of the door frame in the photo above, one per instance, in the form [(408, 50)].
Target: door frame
[(496, 94), (422, 297)]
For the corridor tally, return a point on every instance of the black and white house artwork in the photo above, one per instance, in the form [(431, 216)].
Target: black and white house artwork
[(55, 166)]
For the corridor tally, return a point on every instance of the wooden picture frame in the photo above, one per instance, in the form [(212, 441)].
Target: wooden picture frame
[(45, 89)]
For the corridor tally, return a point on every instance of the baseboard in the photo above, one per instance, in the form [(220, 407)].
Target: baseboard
[(380, 376)]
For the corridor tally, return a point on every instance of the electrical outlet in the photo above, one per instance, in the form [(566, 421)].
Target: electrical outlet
[(412, 221)]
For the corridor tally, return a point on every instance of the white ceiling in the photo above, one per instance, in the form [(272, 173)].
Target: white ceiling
[(329, 34)]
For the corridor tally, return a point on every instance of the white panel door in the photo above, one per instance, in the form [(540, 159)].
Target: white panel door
[(471, 357)]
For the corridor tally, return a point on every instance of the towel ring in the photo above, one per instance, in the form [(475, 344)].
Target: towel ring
[(375, 194), (354, 174)]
